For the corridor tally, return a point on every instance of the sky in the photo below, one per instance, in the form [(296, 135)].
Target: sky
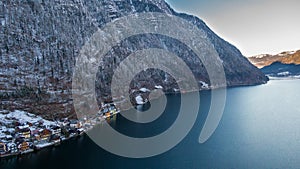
[(253, 26)]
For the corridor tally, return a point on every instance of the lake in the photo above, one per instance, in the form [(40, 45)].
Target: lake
[(260, 128)]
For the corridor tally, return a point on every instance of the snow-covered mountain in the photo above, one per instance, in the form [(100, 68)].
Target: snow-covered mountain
[(288, 57), (40, 40)]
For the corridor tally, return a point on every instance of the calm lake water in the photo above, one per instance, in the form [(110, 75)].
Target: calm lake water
[(260, 128)]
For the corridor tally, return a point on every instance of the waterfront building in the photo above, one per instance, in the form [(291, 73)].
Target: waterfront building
[(45, 135), (24, 146), (24, 131), (3, 148), (12, 147), (56, 130)]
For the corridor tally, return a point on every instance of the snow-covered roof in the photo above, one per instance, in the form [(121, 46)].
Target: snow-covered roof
[(23, 127)]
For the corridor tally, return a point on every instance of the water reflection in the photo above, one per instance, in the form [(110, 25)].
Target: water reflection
[(259, 129)]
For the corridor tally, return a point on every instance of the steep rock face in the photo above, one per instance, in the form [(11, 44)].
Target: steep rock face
[(239, 71), (289, 57), (40, 40)]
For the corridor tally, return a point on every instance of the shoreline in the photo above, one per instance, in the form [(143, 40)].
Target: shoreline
[(210, 88), (36, 146), (284, 78)]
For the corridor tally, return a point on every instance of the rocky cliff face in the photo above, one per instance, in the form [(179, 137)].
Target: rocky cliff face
[(289, 57), (40, 40)]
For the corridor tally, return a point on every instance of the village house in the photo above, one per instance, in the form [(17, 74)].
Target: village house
[(72, 131), (35, 135), (2, 136), (45, 135), (24, 131), (39, 124), (24, 146), (3, 148), (18, 136), (56, 130), (12, 147), (75, 124), (64, 122), (9, 138)]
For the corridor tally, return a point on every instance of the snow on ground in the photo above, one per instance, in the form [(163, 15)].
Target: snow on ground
[(158, 87), (2, 135), (204, 85), (260, 56), (3, 130), (283, 73), (139, 100), (176, 90), (144, 90), (2, 22), (23, 117)]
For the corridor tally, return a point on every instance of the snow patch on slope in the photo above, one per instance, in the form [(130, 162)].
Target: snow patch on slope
[(23, 117), (139, 100)]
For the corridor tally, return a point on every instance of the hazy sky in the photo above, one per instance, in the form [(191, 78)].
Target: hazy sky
[(254, 26)]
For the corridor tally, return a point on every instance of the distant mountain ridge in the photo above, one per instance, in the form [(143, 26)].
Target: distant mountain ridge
[(278, 69), (288, 57)]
